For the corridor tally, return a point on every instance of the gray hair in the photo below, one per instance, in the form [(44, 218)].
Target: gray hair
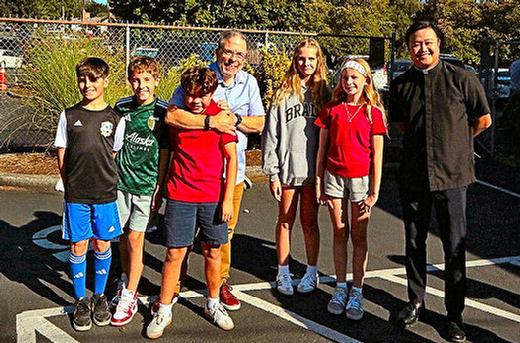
[(227, 35)]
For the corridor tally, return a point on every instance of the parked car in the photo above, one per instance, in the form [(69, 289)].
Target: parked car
[(10, 59), (399, 67), (452, 59), (502, 90)]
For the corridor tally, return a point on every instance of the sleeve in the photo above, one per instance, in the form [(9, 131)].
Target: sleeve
[(475, 98), (256, 108), (177, 98), (270, 141), (119, 135), (395, 110), (61, 132), (323, 120), (226, 138), (378, 123)]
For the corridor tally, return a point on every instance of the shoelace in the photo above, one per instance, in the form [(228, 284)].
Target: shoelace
[(355, 301), (285, 280), (124, 303), (102, 304), (219, 312), (339, 296), (161, 317), (309, 280), (82, 308)]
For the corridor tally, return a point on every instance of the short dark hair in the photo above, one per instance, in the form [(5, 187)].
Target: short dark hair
[(142, 64), (92, 67), (420, 25), (199, 81)]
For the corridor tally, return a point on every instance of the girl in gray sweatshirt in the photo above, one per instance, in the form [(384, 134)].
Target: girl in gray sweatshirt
[(289, 147)]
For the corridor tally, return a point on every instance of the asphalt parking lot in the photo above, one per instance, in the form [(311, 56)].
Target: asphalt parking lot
[(36, 291)]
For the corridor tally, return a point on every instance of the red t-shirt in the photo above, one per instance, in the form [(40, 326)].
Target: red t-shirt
[(196, 169), (349, 151)]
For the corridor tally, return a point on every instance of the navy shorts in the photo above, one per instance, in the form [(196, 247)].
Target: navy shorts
[(182, 219)]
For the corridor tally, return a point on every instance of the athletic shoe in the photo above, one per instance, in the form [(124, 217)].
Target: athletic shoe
[(219, 316), (81, 317), (121, 283), (308, 283), (355, 305), (100, 311), (154, 305), (159, 322), (126, 308), (284, 284), (337, 303), (228, 300)]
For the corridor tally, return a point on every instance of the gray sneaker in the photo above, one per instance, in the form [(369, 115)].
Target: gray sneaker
[(219, 316), (308, 283), (355, 305), (81, 317), (284, 284), (160, 321), (100, 311), (338, 301)]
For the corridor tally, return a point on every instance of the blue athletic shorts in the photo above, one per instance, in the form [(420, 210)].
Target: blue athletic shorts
[(84, 221), (182, 219)]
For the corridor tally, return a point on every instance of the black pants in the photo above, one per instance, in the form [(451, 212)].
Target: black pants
[(450, 207)]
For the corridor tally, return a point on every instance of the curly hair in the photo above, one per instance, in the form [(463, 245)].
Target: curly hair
[(199, 81)]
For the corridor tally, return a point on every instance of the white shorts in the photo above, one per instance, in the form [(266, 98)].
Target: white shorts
[(134, 210), (355, 189)]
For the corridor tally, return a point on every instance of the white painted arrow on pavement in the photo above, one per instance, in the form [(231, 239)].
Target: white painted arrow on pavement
[(28, 322)]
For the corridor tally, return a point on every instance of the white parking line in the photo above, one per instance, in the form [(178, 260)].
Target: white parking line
[(28, 322), (469, 302), (295, 318), (498, 188)]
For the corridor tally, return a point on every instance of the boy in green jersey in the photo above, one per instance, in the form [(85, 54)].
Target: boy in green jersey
[(142, 165)]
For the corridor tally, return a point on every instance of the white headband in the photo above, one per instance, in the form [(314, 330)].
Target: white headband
[(351, 64)]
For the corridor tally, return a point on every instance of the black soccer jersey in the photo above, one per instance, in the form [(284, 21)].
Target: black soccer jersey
[(90, 169)]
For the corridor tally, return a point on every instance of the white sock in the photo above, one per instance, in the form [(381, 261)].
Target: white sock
[(283, 270), (165, 308), (357, 289), (312, 270), (341, 285), (212, 302)]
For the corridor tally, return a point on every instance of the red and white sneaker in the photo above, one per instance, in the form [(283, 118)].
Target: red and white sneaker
[(228, 300), (126, 308)]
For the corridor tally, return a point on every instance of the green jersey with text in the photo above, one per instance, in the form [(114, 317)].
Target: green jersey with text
[(145, 134)]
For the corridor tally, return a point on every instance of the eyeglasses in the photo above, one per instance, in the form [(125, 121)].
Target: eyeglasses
[(238, 54)]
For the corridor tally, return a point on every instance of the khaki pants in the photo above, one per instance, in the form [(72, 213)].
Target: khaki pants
[(225, 249)]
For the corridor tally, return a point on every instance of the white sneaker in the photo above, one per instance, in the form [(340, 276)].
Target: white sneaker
[(308, 283), (121, 283), (284, 284), (219, 316), (126, 308), (159, 322), (337, 303), (355, 305)]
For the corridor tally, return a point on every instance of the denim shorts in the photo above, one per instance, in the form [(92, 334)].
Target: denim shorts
[(182, 219), (354, 189)]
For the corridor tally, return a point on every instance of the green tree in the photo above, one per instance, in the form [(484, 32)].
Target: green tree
[(45, 8)]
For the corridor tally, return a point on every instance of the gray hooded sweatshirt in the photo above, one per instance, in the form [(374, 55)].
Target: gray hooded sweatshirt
[(290, 141)]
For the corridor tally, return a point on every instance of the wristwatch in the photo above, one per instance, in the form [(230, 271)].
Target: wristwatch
[(206, 123), (239, 119)]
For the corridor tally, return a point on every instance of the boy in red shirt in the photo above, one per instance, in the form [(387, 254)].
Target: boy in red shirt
[(198, 197)]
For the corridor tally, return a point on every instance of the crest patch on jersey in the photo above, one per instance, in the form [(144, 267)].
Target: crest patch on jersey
[(106, 128), (151, 122)]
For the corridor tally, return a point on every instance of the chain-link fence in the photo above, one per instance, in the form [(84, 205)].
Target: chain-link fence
[(39, 57), (497, 58)]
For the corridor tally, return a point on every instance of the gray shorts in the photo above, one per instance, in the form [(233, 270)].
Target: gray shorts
[(355, 189), (134, 210)]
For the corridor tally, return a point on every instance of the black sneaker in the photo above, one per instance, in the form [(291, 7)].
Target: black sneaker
[(81, 317), (100, 310)]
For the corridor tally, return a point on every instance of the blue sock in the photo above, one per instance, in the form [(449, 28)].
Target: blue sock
[(78, 269), (102, 262)]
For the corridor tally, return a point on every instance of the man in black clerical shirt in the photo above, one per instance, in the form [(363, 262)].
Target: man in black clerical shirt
[(439, 108)]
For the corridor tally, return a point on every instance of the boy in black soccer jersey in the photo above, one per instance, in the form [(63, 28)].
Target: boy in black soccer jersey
[(88, 137)]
